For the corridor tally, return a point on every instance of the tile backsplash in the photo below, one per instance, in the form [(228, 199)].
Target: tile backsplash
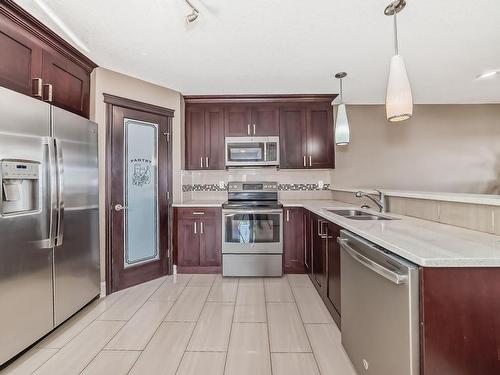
[(212, 184)]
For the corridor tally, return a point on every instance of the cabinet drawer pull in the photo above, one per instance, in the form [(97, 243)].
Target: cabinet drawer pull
[(195, 228), (37, 84), (49, 92), (198, 213)]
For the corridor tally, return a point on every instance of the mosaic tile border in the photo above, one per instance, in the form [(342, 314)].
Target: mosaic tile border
[(281, 187)]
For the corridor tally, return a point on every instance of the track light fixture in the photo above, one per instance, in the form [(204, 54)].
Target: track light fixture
[(194, 12)]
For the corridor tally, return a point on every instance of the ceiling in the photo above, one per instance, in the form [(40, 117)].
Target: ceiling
[(292, 46)]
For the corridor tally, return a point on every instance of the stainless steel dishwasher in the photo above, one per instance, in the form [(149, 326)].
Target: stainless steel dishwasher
[(380, 311)]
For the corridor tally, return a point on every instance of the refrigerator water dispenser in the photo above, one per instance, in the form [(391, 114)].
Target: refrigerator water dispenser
[(20, 186)]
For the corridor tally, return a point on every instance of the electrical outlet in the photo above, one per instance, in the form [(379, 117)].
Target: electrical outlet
[(320, 185)]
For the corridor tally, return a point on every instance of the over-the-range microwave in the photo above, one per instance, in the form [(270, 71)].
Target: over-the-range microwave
[(252, 151)]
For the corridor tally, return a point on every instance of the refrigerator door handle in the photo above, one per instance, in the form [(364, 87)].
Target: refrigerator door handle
[(52, 197), (60, 193)]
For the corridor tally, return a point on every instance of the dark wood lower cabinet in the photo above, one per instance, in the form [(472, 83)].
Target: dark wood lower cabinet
[(332, 297), (319, 275), (197, 241), (460, 321), (307, 242), (293, 240)]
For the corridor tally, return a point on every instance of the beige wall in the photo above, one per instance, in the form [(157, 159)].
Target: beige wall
[(449, 148), (109, 82)]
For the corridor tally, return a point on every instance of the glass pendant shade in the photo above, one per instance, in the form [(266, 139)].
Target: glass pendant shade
[(399, 99), (342, 132)]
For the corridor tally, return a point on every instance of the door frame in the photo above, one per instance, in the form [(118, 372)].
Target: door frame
[(112, 101)]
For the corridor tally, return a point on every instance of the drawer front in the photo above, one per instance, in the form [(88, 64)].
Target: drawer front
[(198, 212)]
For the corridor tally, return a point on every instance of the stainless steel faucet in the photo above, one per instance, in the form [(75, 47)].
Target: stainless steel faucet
[(380, 202)]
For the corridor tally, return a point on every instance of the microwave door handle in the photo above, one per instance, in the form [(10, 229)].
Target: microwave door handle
[(60, 193), (392, 276)]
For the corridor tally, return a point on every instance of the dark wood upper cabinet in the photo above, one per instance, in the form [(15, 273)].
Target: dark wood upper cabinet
[(37, 62), (204, 137), (66, 85), (293, 240), (21, 59), (304, 124), (214, 137), (265, 120), (320, 139), (238, 120), (293, 141), (195, 136)]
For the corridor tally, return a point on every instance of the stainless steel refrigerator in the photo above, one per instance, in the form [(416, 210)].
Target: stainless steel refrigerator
[(49, 233)]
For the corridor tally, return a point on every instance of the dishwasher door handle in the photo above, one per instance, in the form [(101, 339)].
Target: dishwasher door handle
[(392, 276)]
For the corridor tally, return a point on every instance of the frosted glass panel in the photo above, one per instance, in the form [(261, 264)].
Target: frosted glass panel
[(141, 192)]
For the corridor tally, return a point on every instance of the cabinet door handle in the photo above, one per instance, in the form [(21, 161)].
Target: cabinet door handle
[(305, 163), (253, 129), (310, 161), (37, 84), (198, 213), (201, 161), (201, 227), (287, 215), (49, 92), (324, 234), (248, 129), (320, 228), (195, 229), (206, 161)]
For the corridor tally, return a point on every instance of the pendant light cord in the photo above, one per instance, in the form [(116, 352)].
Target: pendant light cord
[(341, 92), (396, 47)]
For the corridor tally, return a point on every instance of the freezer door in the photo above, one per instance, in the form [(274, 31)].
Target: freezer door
[(25, 252), (76, 254)]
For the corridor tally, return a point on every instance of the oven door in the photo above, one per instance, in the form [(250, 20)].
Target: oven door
[(252, 231)]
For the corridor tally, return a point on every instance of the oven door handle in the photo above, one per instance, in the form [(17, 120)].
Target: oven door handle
[(230, 213)]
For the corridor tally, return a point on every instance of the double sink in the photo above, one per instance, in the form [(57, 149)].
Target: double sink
[(354, 214)]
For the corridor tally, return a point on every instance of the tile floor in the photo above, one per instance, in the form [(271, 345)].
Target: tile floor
[(196, 324)]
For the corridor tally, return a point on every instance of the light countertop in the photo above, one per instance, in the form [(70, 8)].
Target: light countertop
[(423, 242)]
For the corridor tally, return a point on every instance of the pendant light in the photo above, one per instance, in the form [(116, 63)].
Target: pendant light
[(399, 99), (342, 132)]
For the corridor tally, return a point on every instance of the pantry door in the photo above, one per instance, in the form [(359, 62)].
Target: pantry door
[(139, 174)]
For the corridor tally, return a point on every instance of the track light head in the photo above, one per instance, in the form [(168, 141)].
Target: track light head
[(191, 17), (194, 13)]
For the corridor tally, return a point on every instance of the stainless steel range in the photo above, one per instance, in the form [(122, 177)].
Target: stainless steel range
[(252, 230)]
